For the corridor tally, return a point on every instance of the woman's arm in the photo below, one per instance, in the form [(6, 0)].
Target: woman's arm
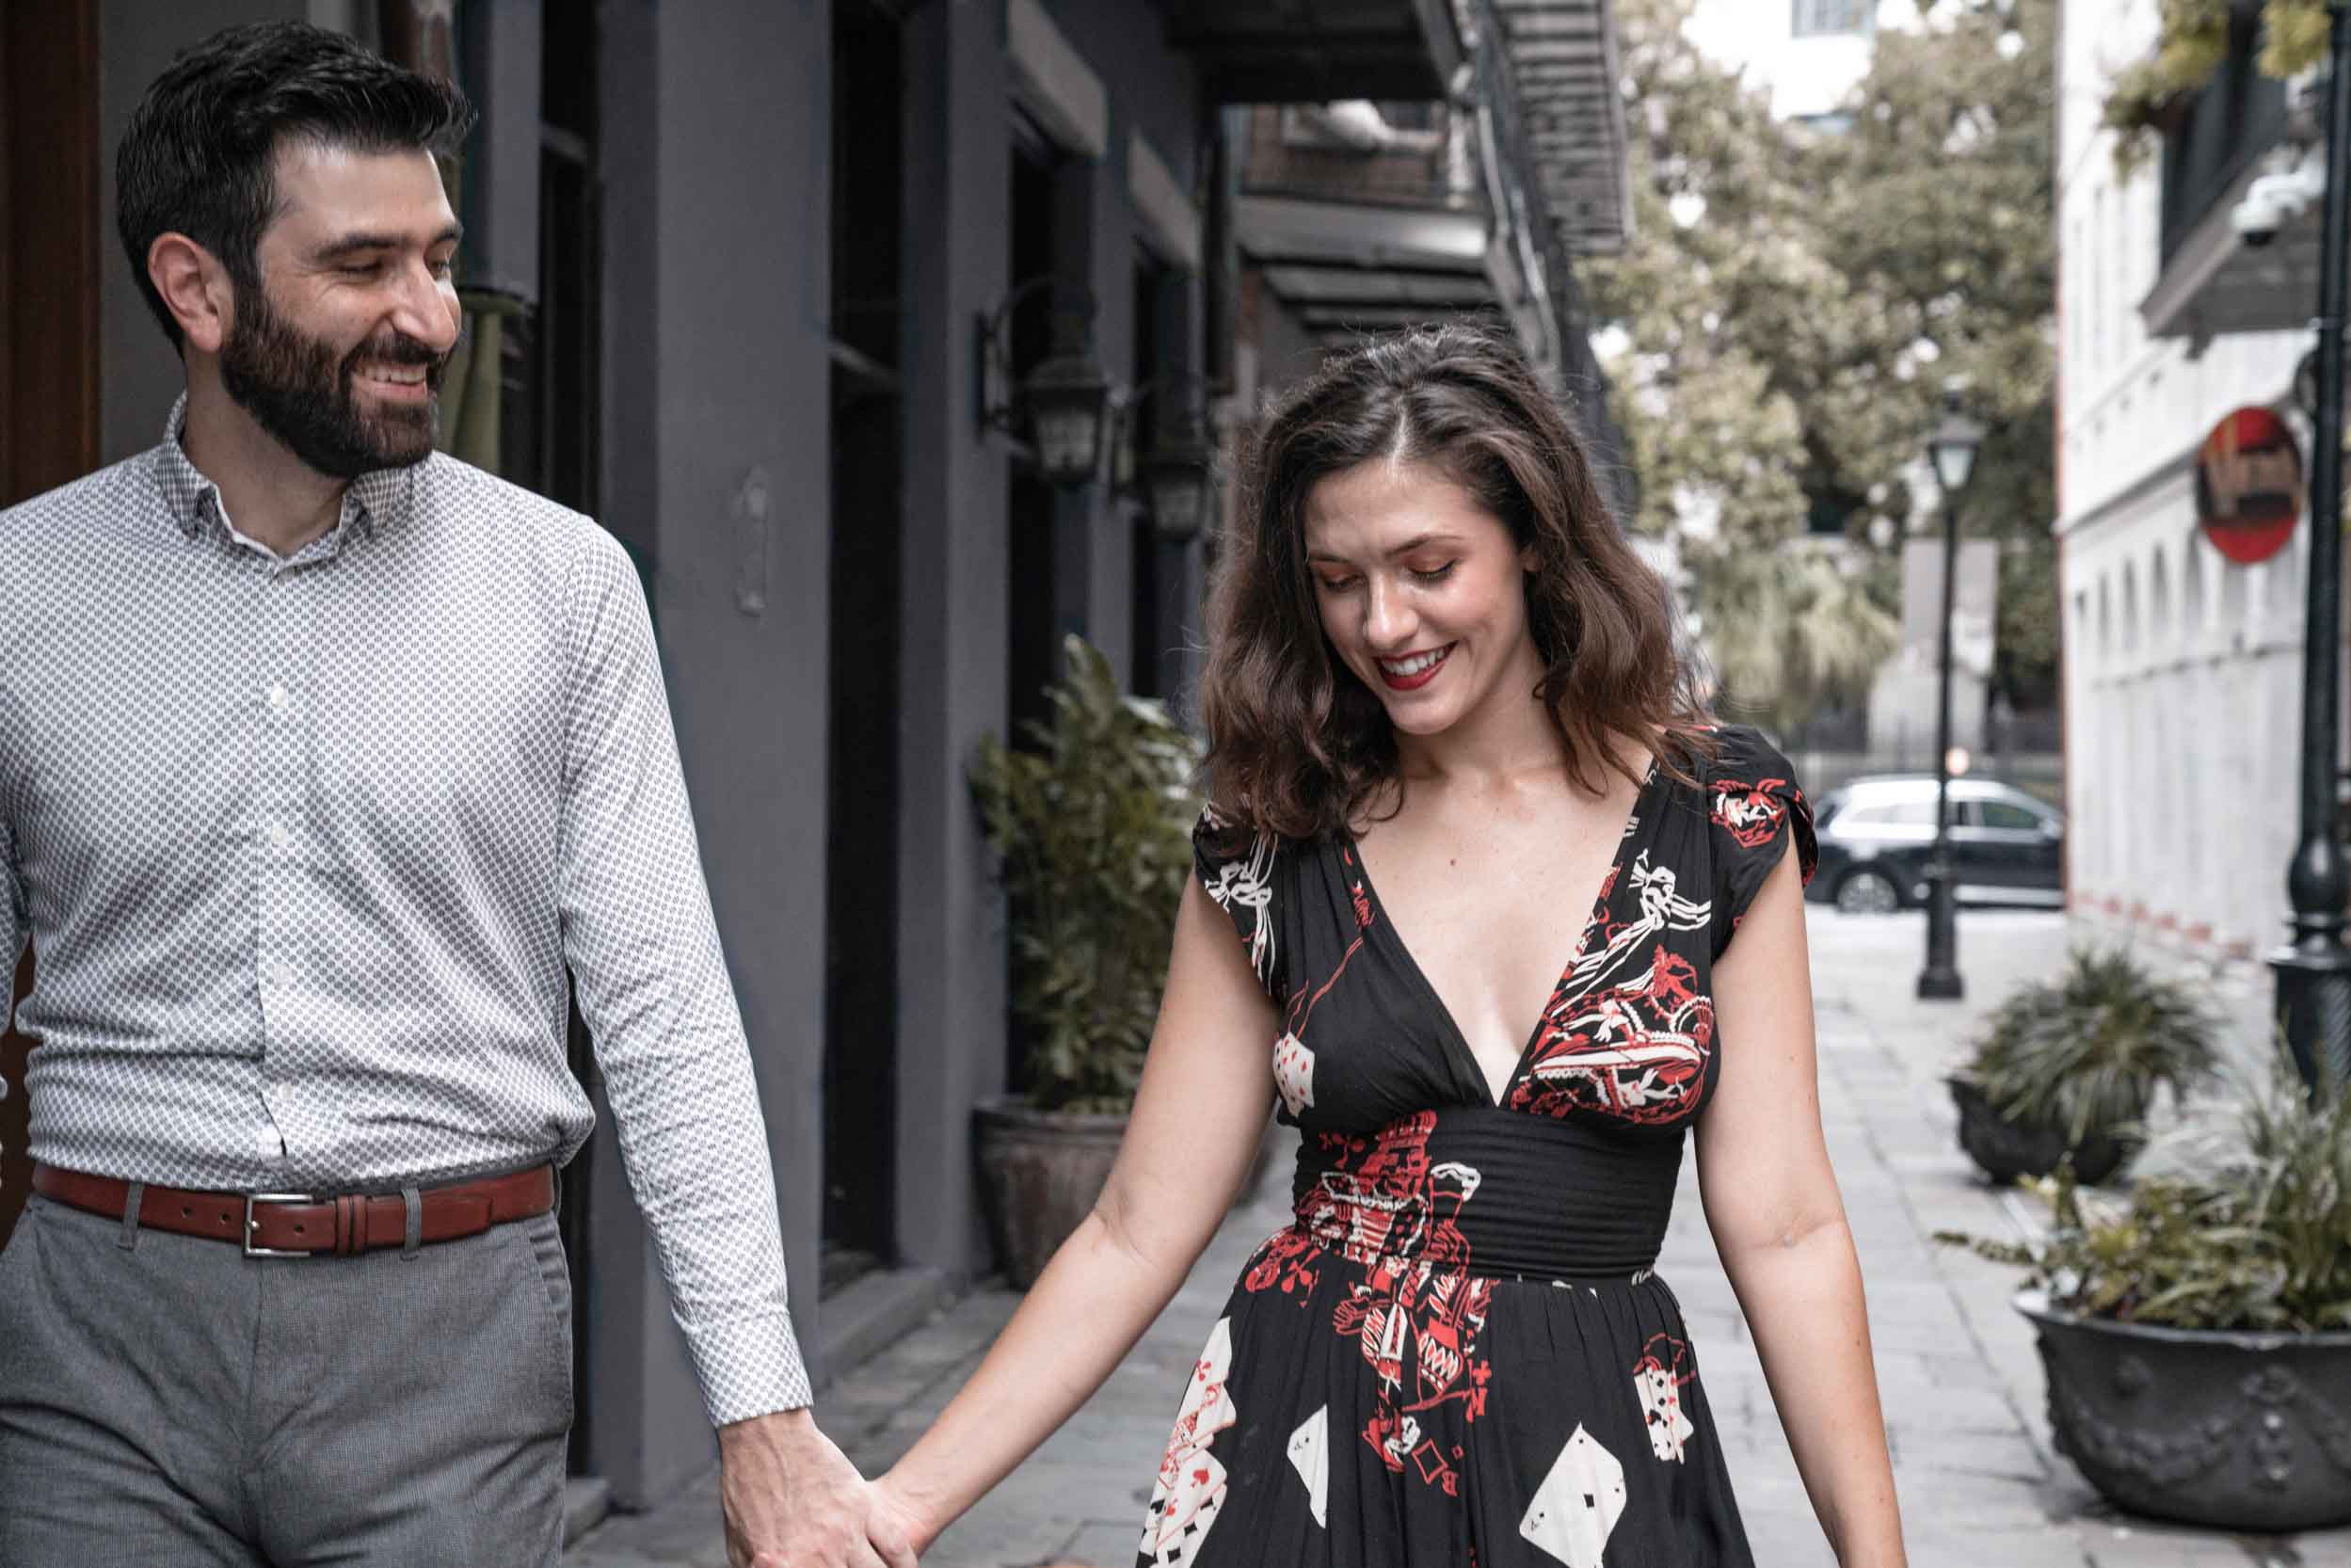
[(1773, 1204), (1207, 1086)]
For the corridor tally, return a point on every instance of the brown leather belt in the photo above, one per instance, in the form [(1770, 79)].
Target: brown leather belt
[(302, 1224)]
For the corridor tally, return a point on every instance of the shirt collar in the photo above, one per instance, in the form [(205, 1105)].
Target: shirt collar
[(377, 497)]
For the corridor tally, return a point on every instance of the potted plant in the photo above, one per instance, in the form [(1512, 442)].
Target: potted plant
[(2068, 1068), (1092, 825), (2197, 1335)]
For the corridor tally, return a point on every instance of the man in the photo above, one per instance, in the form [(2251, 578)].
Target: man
[(321, 758)]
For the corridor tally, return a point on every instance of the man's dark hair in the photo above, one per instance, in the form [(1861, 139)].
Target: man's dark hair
[(199, 158)]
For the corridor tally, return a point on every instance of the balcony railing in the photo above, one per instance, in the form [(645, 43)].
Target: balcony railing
[(1410, 155), (2236, 116)]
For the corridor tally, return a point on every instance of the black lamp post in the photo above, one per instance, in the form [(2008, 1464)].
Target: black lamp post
[(1952, 448), (2314, 972)]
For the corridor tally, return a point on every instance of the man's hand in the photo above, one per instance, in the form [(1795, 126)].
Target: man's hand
[(792, 1501)]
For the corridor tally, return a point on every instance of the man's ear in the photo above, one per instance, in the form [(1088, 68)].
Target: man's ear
[(195, 288)]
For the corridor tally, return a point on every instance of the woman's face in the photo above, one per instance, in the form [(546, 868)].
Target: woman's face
[(1421, 591)]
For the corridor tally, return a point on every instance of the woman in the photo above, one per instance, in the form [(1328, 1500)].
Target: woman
[(1447, 718)]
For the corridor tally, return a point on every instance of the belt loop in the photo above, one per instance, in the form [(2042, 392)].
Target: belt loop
[(414, 1203), (130, 1202)]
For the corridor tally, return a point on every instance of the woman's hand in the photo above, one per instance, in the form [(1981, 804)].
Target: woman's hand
[(898, 1529)]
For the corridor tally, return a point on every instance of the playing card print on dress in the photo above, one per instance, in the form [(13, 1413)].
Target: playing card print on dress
[(1192, 1485), (1576, 1507), (1658, 1379), (1310, 1456), (1293, 1074)]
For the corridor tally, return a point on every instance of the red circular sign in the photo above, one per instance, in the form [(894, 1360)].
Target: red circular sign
[(2248, 486)]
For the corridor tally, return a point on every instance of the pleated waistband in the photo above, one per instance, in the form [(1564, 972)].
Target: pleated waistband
[(1491, 1192)]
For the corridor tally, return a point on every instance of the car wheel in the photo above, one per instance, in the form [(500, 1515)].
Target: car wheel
[(1868, 892)]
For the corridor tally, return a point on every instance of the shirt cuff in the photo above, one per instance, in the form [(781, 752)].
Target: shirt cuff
[(749, 1366)]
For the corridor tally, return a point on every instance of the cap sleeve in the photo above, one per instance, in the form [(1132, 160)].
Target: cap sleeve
[(1238, 869), (1754, 806)]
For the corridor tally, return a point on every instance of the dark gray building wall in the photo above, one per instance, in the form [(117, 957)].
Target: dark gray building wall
[(950, 1022), (140, 375), (717, 453)]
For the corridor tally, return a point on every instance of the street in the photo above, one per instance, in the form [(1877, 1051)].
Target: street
[(1956, 1366)]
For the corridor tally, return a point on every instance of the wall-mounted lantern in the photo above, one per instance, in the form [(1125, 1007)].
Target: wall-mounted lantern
[(1061, 401), (1175, 474)]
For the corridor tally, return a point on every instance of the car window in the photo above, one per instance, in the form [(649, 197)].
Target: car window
[(1891, 813), (2008, 814)]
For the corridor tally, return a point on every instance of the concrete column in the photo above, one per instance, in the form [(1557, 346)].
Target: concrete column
[(950, 1017), (717, 120)]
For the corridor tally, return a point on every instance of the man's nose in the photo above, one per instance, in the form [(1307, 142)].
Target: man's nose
[(427, 310)]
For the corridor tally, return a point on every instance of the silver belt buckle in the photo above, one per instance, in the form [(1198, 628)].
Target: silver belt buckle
[(252, 1198)]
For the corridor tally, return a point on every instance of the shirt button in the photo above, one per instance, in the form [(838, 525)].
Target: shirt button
[(279, 699), (280, 837)]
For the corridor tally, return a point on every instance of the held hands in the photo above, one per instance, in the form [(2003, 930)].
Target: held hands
[(791, 1500)]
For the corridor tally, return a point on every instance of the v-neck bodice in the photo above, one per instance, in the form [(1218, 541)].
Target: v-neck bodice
[(1626, 1038), (1383, 928)]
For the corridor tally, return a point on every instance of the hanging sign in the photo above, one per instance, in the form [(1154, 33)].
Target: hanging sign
[(2248, 486)]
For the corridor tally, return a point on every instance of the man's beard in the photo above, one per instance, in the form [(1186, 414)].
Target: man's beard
[(296, 388)]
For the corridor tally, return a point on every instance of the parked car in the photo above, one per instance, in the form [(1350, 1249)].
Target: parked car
[(1877, 834)]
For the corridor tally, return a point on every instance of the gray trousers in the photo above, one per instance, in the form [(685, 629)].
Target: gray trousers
[(167, 1401)]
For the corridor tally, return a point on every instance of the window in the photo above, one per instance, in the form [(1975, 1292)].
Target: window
[(2007, 815), (1819, 18), (1891, 813)]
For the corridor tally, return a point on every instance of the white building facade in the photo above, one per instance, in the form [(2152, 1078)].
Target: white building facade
[(2183, 670)]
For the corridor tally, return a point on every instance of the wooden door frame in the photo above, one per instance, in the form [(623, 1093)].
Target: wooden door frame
[(49, 295)]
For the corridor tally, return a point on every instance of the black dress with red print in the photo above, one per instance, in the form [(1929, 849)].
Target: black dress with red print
[(1459, 1351)]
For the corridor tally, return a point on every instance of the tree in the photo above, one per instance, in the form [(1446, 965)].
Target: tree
[(1794, 301)]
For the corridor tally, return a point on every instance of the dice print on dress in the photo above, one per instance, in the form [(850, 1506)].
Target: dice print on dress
[(1576, 1507)]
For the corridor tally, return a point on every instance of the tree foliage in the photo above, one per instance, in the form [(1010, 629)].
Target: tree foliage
[(1795, 297)]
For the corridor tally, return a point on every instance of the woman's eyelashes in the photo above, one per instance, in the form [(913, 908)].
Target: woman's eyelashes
[(1338, 584)]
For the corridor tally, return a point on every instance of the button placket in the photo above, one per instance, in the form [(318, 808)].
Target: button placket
[(278, 808)]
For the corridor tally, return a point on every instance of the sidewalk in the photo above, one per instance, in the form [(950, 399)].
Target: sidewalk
[(1961, 1383)]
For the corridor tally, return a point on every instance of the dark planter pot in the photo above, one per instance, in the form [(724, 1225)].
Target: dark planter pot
[(1039, 1172), (2005, 1150), (2237, 1432)]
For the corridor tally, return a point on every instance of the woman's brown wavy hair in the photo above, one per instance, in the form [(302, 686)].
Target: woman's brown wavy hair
[(1298, 745)]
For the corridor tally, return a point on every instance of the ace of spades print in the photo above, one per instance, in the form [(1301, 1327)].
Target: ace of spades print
[(1192, 1484), (1575, 1509), (1310, 1456)]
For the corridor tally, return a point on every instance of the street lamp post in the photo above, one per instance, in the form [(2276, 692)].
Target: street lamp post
[(2314, 972), (1952, 448)]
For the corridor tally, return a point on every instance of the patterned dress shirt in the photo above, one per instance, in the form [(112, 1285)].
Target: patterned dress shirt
[(306, 845)]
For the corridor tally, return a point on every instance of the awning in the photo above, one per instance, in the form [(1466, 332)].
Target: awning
[(1317, 50)]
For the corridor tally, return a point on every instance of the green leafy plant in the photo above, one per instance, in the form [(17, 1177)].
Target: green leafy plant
[(2252, 1232), (2085, 1051), (1091, 826), (2192, 43)]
